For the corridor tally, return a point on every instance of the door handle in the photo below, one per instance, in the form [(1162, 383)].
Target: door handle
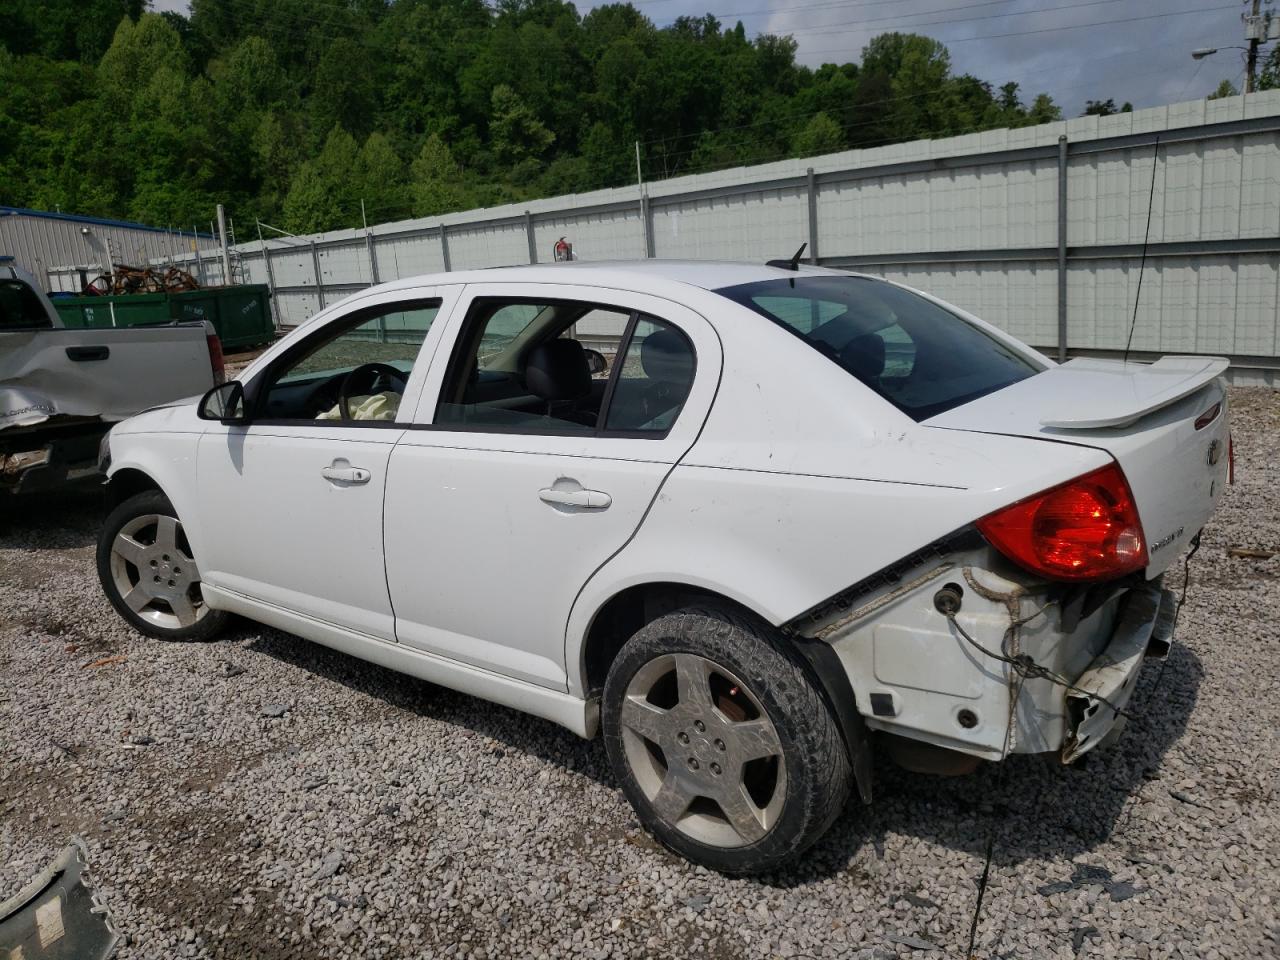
[(341, 471), (80, 354), (586, 499)]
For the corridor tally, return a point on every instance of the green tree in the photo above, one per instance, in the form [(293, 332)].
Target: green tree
[(64, 29), (820, 135), (323, 192), (515, 132), (294, 111), (1225, 89), (435, 180), (1105, 108), (311, 204), (378, 179), (1044, 110), (1269, 78)]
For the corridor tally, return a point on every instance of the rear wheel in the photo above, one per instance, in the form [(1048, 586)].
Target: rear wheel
[(721, 741), (149, 573)]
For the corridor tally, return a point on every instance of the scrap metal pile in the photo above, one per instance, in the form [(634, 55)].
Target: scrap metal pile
[(126, 279)]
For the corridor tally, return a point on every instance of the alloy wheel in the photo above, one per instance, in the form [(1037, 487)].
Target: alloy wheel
[(155, 574), (703, 750)]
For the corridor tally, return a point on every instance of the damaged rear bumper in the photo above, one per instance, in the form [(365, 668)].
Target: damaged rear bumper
[(1144, 628)]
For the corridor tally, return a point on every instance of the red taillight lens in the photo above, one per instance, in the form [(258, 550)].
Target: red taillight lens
[(215, 358), (1085, 529)]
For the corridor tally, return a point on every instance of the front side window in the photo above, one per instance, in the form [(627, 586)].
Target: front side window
[(355, 372), (920, 357), (565, 367)]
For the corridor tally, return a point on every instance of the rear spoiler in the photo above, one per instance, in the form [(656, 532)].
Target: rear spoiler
[(1125, 392)]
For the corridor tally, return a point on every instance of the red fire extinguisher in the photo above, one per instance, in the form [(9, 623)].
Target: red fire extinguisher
[(563, 250)]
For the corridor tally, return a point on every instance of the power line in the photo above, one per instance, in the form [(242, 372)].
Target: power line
[(973, 128), (1076, 26), (826, 28), (805, 114)]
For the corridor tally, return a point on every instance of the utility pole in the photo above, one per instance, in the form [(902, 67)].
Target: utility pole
[(1254, 42), (226, 255)]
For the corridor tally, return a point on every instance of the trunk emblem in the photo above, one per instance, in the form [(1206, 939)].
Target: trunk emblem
[(1166, 540), (1215, 452)]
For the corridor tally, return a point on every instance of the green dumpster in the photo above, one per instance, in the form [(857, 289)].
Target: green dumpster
[(241, 315)]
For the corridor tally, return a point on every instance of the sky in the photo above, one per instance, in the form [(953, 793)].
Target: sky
[(1066, 48)]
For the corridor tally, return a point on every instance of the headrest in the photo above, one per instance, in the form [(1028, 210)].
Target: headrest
[(557, 371), (665, 355), (863, 356)]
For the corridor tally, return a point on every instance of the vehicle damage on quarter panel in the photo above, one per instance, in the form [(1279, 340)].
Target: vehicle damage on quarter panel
[(1026, 630)]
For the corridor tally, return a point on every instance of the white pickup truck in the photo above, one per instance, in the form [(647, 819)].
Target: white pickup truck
[(61, 390)]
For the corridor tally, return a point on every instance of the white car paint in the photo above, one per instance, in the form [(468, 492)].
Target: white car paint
[(784, 482), (478, 496)]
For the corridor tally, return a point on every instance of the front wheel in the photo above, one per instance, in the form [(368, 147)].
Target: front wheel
[(149, 573), (721, 741)]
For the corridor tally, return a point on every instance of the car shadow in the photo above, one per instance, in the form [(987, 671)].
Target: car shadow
[(1033, 806), (1037, 808), (67, 520)]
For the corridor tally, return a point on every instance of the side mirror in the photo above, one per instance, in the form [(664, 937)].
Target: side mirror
[(224, 403), (595, 361)]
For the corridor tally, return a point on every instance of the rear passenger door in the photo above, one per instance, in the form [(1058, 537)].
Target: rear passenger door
[(518, 478)]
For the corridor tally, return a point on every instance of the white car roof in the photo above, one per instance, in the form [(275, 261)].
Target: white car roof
[(634, 274)]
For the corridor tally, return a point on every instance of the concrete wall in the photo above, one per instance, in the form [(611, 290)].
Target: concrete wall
[(974, 219)]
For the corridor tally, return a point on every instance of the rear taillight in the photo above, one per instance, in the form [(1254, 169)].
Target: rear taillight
[(1085, 529), (215, 358)]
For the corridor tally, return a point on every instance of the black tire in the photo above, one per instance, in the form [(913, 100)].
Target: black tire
[(813, 754), (209, 623)]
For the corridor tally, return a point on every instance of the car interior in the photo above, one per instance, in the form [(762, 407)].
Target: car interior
[(541, 377), (919, 356), (517, 365), (358, 372)]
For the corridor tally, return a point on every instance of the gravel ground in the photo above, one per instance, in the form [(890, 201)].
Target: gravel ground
[(378, 816)]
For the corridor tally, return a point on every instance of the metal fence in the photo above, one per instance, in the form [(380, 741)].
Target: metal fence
[(1039, 230)]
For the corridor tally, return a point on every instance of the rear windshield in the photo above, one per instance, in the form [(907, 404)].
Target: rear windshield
[(921, 358), (20, 308)]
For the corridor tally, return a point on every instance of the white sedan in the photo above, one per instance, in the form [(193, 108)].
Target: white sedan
[(751, 522)]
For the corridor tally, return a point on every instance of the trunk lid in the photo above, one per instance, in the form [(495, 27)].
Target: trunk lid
[(1157, 420)]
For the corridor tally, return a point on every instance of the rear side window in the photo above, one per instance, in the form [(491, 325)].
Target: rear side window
[(923, 359), (20, 308), (654, 380), (565, 367)]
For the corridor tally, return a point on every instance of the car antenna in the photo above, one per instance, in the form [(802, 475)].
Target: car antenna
[(792, 264), (1142, 267)]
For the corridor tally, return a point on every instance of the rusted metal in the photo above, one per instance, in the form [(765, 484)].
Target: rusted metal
[(125, 279)]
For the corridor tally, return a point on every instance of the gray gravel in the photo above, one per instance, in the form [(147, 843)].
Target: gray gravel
[(261, 796)]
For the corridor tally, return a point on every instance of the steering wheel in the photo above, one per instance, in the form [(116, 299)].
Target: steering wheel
[(371, 372)]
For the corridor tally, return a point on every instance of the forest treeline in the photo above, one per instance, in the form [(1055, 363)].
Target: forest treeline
[(295, 111)]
